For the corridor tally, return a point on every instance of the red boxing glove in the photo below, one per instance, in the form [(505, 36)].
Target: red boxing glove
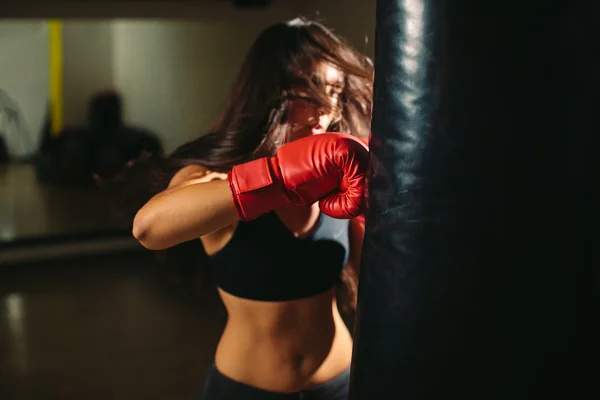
[(365, 141), (361, 218), (329, 168)]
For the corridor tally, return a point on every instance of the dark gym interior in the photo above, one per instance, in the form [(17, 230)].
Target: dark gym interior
[(481, 250)]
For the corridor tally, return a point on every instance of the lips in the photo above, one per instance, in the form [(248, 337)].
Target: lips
[(317, 129)]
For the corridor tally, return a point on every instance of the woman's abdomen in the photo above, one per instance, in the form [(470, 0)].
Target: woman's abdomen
[(283, 347)]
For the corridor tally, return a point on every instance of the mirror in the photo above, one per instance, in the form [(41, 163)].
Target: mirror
[(65, 84)]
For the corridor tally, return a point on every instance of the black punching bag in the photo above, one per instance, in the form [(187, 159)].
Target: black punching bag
[(478, 276)]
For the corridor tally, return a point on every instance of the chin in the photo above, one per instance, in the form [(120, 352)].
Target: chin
[(301, 134)]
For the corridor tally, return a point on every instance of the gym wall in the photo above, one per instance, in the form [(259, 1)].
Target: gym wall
[(174, 73)]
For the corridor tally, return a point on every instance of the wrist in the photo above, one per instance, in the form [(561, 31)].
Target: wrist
[(257, 188)]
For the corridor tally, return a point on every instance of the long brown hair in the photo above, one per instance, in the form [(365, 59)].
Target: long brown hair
[(253, 121)]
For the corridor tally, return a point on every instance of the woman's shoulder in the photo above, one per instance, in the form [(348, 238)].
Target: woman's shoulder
[(195, 173)]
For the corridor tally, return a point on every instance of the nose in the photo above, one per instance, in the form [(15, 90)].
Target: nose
[(323, 111)]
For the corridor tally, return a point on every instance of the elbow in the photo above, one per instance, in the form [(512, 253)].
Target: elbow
[(142, 232)]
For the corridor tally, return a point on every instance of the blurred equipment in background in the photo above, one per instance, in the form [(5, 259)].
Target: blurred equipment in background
[(103, 147), (113, 143), (4, 157), (15, 140)]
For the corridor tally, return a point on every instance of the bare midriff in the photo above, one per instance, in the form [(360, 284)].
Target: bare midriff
[(283, 346)]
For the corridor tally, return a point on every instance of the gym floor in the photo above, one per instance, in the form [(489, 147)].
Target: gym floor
[(94, 326)]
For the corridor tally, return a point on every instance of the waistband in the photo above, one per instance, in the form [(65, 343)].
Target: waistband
[(219, 386)]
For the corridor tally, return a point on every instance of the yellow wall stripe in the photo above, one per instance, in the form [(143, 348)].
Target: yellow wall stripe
[(56, 76)]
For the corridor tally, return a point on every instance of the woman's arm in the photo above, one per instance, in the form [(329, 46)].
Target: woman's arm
[(197, 202), (357, 232), (302, 172)]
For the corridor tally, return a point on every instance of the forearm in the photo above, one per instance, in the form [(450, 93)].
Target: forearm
[(185, 213), (328, 168), (357, 232)]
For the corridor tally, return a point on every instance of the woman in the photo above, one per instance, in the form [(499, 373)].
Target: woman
[(272, 198)]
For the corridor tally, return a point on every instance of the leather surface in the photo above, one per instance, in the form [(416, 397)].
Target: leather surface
[(329, 168), (479, 269)]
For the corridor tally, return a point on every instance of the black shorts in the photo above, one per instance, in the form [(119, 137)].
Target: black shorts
[(219, 387)]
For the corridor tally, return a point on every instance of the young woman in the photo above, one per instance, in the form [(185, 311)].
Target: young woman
[(272, 197)]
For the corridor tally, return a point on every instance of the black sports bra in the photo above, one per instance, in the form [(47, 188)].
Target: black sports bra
[(264, 261)]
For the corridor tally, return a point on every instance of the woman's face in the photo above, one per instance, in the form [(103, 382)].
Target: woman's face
[(305, 116)]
